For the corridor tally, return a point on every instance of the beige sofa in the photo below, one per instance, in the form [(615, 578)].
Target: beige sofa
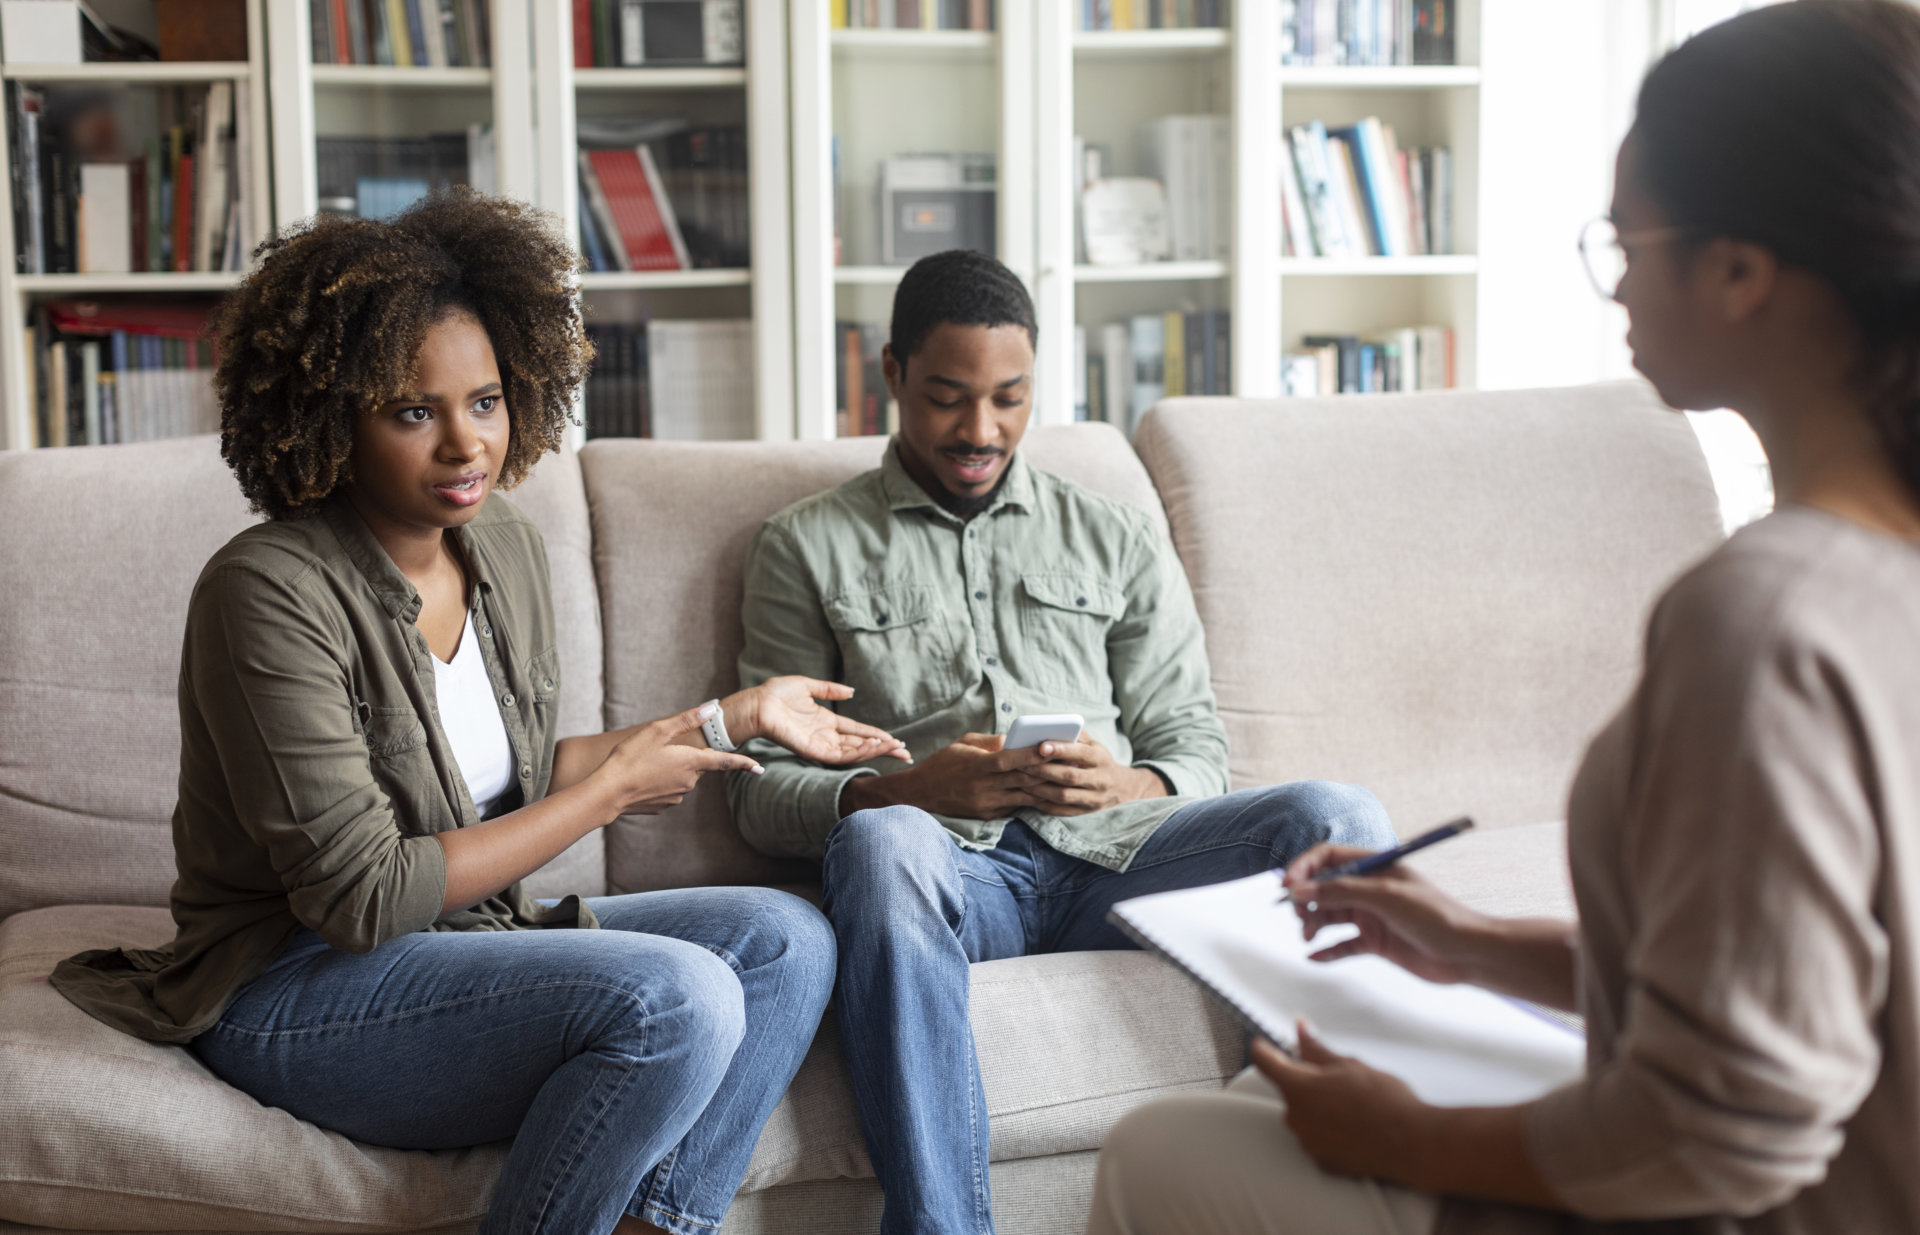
[(1438, 596)]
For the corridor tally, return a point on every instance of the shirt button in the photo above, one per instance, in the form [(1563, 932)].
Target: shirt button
[(969, 533), (880, 618), (546, 683), (506, 701), (1082, 602), (486, 630), (526, 771), (1006, 707), (979, 595), (991, 662)]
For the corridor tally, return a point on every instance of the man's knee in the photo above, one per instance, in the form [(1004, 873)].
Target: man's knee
[(1313, 811), (889, 858)]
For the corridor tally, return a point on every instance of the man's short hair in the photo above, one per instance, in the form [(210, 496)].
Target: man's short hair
[(960, 286)]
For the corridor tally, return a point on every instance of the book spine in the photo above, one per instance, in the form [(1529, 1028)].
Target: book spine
[(582, 34), (400, 32), (632, 33)]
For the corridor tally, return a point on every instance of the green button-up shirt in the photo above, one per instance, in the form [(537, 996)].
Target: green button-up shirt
[(313, 767), (1055, 599)]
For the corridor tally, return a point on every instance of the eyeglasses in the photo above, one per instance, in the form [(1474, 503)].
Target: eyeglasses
[(1603, 249)]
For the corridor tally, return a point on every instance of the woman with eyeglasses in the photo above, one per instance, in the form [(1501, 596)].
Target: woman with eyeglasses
[(1745, 836)]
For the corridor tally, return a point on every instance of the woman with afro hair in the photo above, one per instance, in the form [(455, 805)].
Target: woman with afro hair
[(369, 765)]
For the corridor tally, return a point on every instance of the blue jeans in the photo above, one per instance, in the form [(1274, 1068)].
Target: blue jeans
[(633, 1066), (912, 909)]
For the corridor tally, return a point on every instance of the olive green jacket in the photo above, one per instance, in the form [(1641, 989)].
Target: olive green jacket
[(313, 767), (1055, 599)]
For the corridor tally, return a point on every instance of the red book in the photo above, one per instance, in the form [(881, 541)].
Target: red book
[(635, 214), (342, 46), (582, 34), (169, 321), (183, 214)]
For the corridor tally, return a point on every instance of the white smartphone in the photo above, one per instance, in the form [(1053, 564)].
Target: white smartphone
[(1032, 730)]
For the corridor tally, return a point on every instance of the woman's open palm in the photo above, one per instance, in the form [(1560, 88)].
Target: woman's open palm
[(790, 715)]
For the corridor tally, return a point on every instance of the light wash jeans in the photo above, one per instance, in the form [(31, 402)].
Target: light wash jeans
[(912, 909), (633, 1066)]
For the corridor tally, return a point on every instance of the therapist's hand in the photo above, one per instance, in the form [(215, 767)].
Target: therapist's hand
[(1401, 916), (1080, 777), (1351, 1119)]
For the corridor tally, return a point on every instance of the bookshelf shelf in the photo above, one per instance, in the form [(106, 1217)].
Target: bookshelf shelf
[(131, 72), (1151, 42), (401, 77), (1343, 267), (1405, 77), (102, 284), (659, 79), (661, 280), (1153, 272), (964, 44), (868, 276)]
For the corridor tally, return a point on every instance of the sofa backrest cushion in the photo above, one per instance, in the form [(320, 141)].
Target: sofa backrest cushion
[(671, 526), (1439, 596), (101, 549)]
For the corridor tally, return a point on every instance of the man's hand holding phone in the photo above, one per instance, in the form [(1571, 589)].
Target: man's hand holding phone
[(989, 776), (974, 778), (1082, 776)]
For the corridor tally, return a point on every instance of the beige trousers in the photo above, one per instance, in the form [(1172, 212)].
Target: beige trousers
[(1224, 1163)]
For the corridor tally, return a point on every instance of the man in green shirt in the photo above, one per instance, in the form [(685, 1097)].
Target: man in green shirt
[(957, 589)]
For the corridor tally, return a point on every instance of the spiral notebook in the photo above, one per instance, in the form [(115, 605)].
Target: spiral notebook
[(1455, 1045)]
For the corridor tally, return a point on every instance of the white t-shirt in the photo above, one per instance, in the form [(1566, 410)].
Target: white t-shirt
[(471, 717)]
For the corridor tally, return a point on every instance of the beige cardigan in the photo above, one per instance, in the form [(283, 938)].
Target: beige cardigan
[(1745, 846)]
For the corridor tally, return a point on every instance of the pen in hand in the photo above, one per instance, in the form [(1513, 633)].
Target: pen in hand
[(1387, 857)]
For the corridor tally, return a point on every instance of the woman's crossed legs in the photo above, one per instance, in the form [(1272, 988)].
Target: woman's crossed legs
[(633, 1065)]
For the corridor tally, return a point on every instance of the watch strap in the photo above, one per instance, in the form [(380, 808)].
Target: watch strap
[(714, 728)]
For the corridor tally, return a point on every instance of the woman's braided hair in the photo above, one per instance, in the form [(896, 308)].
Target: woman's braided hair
[(1797, 126), (327, 326)]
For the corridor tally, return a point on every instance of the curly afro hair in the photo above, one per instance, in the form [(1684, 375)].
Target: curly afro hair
[(327, 326)]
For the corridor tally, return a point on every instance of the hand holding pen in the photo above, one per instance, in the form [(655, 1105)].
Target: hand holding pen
[(1400, 916), (1374, 862)]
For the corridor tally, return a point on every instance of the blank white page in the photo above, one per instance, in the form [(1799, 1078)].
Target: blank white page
[(1455, 1045)]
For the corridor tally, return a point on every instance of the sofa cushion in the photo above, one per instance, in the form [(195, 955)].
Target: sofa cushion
[(102, 548), (103, 1130), (671, 526), (1437, 596)]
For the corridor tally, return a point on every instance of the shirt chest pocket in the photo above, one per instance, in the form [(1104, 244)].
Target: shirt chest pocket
[(1064, 620), (899, 650)]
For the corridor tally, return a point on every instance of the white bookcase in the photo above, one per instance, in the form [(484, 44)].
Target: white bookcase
[(19, 292), (881, 93), (754, 95), (1020, 92), (1026, 90)]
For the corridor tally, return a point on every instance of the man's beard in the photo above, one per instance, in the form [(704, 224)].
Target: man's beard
[(963, 507)]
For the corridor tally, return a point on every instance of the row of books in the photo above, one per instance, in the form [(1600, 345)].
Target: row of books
[(408, 33), (1181, 210), (862, 405), (1368, 32), (688, 380), (109, 187), (1411, 358), (634, 33), (912, 14), (1353, 192), (1131, 365), (678, 203), (104, 372), (1151, 14)]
